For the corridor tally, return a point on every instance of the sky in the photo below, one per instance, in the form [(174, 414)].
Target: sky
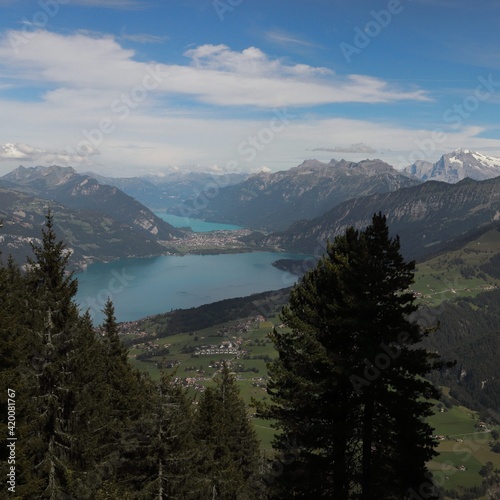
[(129, 87)]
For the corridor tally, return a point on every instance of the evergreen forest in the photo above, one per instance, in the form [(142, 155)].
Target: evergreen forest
[(349, 395)]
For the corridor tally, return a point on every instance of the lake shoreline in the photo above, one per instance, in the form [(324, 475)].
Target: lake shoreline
[(140, 287)]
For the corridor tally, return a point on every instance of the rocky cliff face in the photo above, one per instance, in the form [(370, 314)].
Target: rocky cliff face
[(427, 217)]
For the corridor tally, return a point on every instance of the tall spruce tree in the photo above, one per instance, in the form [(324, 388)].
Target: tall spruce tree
[(230, 458), (348, 390), (14, 346), (124, 404), (169, 455), (51, 318), (61, 343)]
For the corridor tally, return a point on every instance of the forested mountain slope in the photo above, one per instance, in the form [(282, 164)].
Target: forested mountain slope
[(427, 217)]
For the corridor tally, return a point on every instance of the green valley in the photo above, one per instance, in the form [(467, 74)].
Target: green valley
[(464, 446), (463, 272)]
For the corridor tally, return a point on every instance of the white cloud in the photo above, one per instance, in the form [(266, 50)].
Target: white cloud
[(250, 62), (283, 37), (32, 154), (215, 75), (353, 148), (143, 38), (78, 77)]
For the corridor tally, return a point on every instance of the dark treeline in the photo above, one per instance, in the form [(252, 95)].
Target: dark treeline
[(216, 313), (89, 426), (469, 332)]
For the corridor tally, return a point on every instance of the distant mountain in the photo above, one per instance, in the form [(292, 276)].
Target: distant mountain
[(91, 236), (82, 192), (171, 189), (453, 167), (427, 217), (273, 201)]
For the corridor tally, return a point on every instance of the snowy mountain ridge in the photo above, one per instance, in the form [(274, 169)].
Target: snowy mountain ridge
[(455, 166)]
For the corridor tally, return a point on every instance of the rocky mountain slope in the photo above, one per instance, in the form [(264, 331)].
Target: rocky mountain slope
[(427, 217), (89, 235), (454, 167), (82, 192), (273, 201)]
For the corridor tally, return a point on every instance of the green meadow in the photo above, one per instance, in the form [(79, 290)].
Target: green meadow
[(458, 273), (463, 449)]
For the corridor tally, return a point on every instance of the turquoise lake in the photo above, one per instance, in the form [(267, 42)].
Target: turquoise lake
[(198, 226), (143, 287)]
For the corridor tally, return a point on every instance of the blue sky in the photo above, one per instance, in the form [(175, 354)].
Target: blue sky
[(126, 87)]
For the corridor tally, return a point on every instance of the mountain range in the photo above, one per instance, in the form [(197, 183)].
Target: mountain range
[(301, 207), (273, 201), (89, 235), (171, 190), (82, 192), (455, 166), (97, 221)]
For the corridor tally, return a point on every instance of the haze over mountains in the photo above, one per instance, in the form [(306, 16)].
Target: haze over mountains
[(273, 201), (169, 190)]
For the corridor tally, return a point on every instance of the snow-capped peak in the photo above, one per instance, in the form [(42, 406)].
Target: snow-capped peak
[(458, 165)]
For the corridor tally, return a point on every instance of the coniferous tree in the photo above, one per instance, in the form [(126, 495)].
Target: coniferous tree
[(51, 320), (170, 453), (14, 346), (347, 389), (124, 404), (59, 340), (230, 447)]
